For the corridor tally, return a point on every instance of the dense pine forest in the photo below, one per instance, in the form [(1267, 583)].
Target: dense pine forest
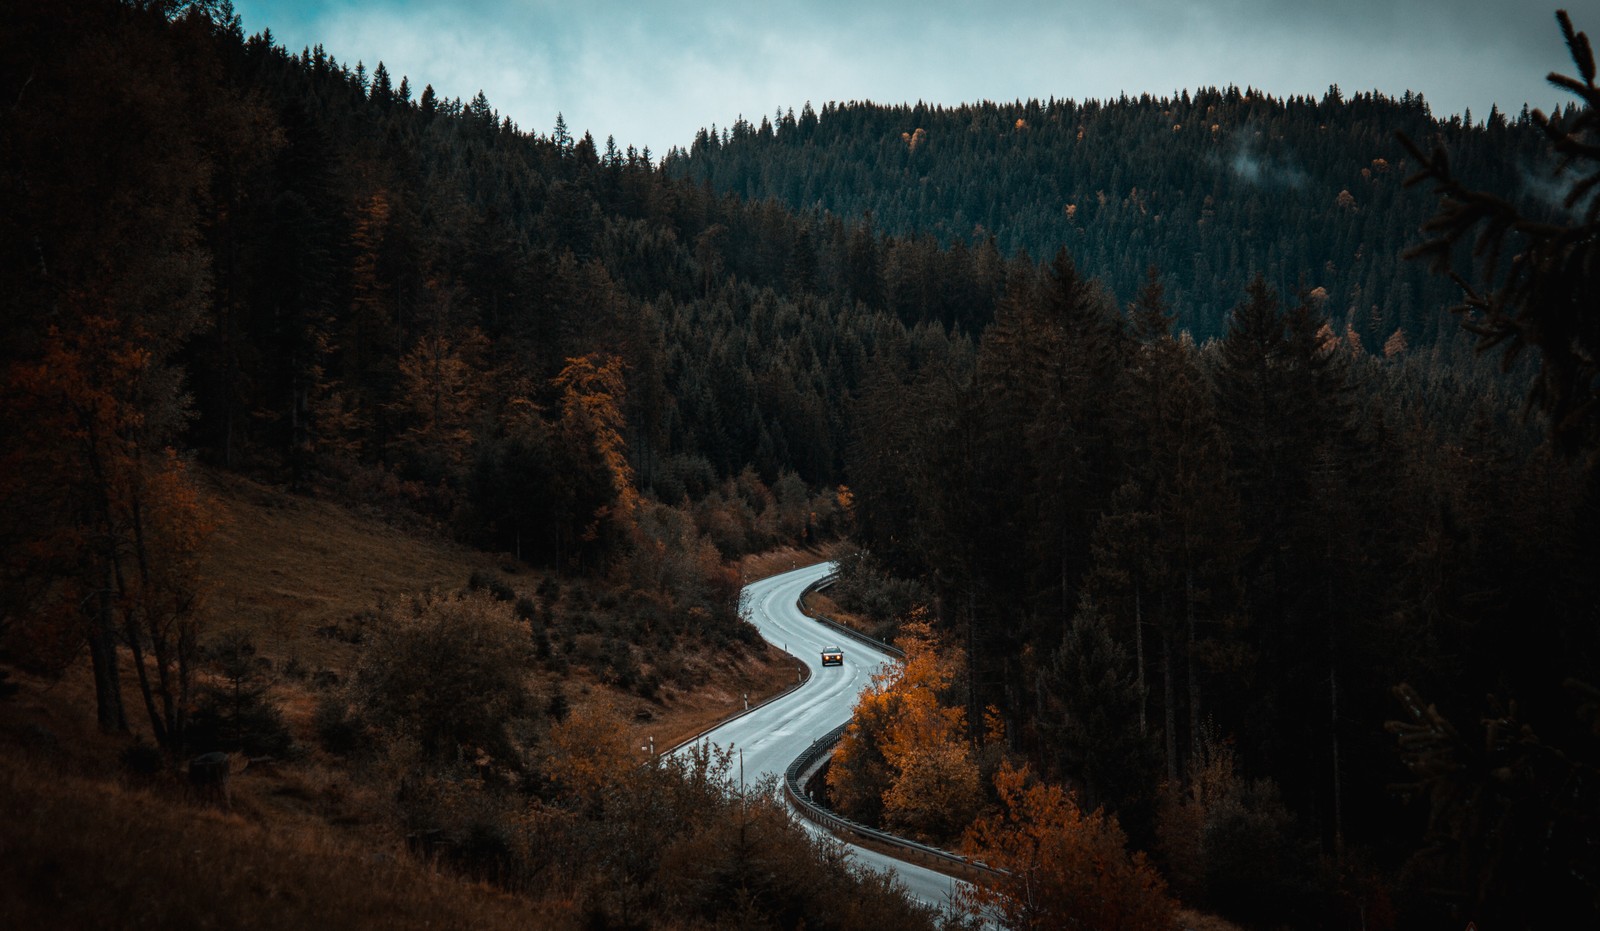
[(1196, 579), (1194, 496), (1213, 186), (1218, 491)]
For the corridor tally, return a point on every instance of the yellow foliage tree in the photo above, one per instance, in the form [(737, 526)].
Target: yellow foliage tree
[(859, 775)]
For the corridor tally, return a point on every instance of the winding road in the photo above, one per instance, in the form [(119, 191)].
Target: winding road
[(772, 736)]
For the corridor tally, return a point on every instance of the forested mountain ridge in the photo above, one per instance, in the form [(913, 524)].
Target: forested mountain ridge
[(1211, 186), (1224, 588), (319, 276), (314, 274), (372, 281)]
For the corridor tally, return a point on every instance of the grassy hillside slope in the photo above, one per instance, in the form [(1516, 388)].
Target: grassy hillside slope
[(94, 839)]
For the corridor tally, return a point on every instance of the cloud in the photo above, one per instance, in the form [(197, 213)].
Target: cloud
[(1249, 165), (1549, 189), (653, 73)]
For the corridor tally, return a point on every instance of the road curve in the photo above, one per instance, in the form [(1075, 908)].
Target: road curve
[(770, 737)]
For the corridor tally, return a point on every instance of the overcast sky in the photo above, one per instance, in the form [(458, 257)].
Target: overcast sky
[(652, 73)]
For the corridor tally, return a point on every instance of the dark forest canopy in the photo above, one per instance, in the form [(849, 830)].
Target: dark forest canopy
[(1214, 186), (358, 247), (1194, 578)]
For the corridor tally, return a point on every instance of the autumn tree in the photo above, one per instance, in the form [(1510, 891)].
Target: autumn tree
[(365, 350), (439, 393), (107, 163), (1060, 867), (906, 756), (859, 773), (1226, 840), (587, 757), (671, 559), (592, 426)]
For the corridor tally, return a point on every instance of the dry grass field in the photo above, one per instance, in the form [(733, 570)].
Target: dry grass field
[(286, 566), (306, 841), (80, 852)]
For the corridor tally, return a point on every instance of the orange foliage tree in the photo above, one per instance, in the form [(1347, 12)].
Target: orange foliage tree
[(1061, 868), (440, 388), (116, 525), (906, 759), (589, 755), (109, 157), (593, 397)]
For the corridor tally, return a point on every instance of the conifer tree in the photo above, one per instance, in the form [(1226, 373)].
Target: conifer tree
[(1094, 728), (1541, 296)]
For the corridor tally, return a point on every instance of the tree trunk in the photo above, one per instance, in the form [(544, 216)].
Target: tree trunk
[(1066, 596), (975, 715), (1138, 649), (1171, 713), (1338, 795), (1194, 680), (299, 430), (109, 713), (138, 612)]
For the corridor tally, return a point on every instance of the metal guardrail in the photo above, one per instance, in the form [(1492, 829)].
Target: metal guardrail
[(828, 820), (840, 826), (844, 629), (805, 676), (835, 824)]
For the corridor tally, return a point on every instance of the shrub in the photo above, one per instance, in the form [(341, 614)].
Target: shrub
[(141, 759), (448, 812), (448, 673), (865, 587), (482, 581), (337, 731), (556, 707), (294, 668)]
